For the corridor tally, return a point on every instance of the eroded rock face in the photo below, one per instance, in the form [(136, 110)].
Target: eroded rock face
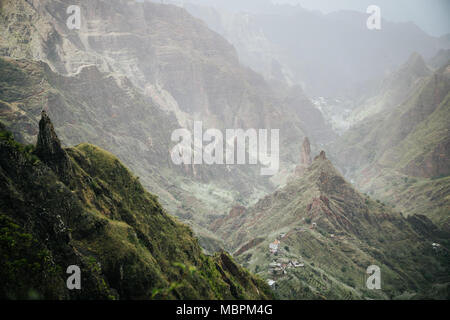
[(433, 165), (130, 64), (49, 150), (51, 226), (305, 158), (306, 152)]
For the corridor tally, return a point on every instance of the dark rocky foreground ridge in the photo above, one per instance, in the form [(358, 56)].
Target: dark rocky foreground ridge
[(81, 206)]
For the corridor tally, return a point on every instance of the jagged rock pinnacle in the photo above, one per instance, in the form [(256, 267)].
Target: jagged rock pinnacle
[(306, 153), (49, 150), (305, 158), (321, 156)]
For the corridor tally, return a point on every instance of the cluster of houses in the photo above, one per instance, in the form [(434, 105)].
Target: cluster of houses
[(280, 268), (274, 246)]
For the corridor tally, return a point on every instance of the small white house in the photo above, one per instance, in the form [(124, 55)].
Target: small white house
[(298, 265), (274, 246), (275, 265), (271, 282)]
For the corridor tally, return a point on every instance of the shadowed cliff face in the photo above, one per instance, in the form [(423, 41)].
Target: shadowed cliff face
[(174, 58), (102, 220)]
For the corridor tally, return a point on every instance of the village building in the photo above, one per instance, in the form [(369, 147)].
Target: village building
[(297, 264), (275, 265), (271, 282), (273, 247)]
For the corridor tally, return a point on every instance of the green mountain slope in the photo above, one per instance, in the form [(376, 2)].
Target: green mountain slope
[(110, 112), (334, 233), (132, 74), (81, 206), (402, 155), (394, 89)]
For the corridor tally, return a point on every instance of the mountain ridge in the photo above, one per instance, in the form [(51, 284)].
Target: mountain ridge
[(102, 220), (333, 233), (401, 155)]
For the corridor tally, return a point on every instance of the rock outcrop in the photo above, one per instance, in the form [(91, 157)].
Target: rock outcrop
[(49, 150), (104, 222), (305, 158), (321, 156)]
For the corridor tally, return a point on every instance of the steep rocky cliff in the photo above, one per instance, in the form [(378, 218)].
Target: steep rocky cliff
[(132, 74), (173, 57), (97, 215), (111, 113)]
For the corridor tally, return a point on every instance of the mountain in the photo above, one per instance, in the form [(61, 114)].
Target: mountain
[(330, 55), (401, 155), (134, 72), (130, 76), (317, 236), (162, 49), (394, 89), (81, 206), (440, 59)]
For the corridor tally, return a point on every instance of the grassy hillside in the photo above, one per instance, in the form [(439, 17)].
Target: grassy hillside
[(109, 112), (335, 232), (402, 156), (101, 219)]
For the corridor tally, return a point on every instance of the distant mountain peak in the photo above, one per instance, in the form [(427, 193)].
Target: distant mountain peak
[(417, 65)]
